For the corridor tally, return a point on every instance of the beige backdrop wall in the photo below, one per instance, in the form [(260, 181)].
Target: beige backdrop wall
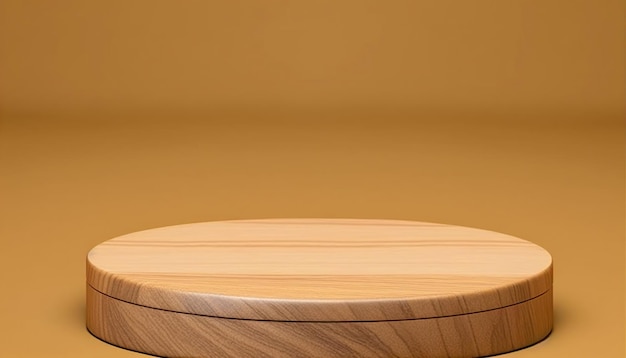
[(117, 116), (77, 56)]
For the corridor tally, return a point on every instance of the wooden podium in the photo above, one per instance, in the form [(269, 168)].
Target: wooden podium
[(319, 288)]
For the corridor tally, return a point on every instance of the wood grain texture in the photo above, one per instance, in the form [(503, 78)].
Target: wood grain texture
[(320, 269), (173, 334), (319, 288)]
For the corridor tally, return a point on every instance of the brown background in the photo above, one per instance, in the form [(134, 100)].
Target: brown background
[(117, 116)]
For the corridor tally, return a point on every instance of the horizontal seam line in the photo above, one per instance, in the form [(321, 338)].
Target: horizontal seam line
[(320, 321)]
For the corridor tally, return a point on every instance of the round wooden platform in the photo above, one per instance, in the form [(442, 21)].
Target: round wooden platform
[(319, 288)]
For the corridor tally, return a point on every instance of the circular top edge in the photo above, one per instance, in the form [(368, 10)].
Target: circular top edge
[(320, 269)]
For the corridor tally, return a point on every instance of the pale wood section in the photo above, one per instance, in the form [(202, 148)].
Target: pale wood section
[(172, 334), (320, 269)]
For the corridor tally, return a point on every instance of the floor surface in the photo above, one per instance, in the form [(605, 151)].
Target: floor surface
[(67, 184)]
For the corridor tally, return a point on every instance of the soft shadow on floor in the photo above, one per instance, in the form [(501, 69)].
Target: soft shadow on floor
[(73, 312)]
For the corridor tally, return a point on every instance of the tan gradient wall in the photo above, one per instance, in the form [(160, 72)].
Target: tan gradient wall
[(453, 55), (117, 116)]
